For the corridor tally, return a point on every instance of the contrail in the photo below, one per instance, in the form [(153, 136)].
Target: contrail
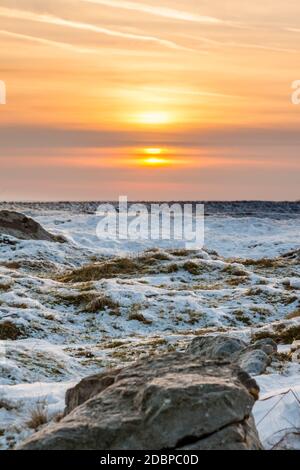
[(47, 42), (223, 44), (158, 11), (54, 20)]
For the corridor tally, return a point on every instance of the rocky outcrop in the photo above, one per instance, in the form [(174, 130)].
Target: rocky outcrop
[(292, 255), (20, 226), (253, 358), (173, 401)]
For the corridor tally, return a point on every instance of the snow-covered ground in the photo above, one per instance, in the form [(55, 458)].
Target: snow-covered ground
[(60, 321), (277, 413)]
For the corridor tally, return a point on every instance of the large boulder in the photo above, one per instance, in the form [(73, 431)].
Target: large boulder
[(254, 358), (20, 226), (173, 401)]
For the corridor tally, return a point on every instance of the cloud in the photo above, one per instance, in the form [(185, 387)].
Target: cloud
[(38, 137), (56, 21), (163, 12), (47, 42), (293, 30), (241, 45), (262, 47), (183, 91)]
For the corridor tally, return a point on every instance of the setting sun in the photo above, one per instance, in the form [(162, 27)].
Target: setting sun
[(155, 161), (154, 157)]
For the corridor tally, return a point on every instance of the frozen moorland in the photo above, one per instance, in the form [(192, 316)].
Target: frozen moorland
[(71, 309)]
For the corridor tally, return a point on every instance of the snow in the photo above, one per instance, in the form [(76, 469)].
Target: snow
[(159, 308), (278, 410), (22, 400)]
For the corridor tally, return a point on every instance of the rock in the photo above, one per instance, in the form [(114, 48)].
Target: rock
[(254, 358), (229, 438), (4, 240), (216, 347), (267, 345), (173, 401), (20, 226), (293, 283), (293, 255), (87, 388), (254, 362)]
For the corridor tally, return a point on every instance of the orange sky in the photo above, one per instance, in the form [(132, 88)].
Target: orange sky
[(169, 99)]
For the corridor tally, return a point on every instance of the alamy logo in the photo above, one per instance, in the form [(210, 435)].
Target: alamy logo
[(2, 92), (131, 222), (296, 93)]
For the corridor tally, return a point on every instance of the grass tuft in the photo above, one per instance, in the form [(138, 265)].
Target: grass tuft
[(10, 331), (103, 270), (136, 314), (294, 314), (102, 303), (38, 416), (281, 334)]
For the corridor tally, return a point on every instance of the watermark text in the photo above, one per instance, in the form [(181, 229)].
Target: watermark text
[(2, 92), (156, 221), (296, 93)]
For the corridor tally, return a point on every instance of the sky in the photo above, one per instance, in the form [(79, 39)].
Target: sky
[(152, 99)]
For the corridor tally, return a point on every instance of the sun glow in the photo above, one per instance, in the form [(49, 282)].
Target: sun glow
[(154, 157), (153, 151), (155, 161), (153, 118)]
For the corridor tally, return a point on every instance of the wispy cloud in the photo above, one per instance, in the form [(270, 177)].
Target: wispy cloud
[(54, 20), (263, 47), (161, 11), (37, 137), (47, 42), (242, 45), (181, 91), (292, 30)]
